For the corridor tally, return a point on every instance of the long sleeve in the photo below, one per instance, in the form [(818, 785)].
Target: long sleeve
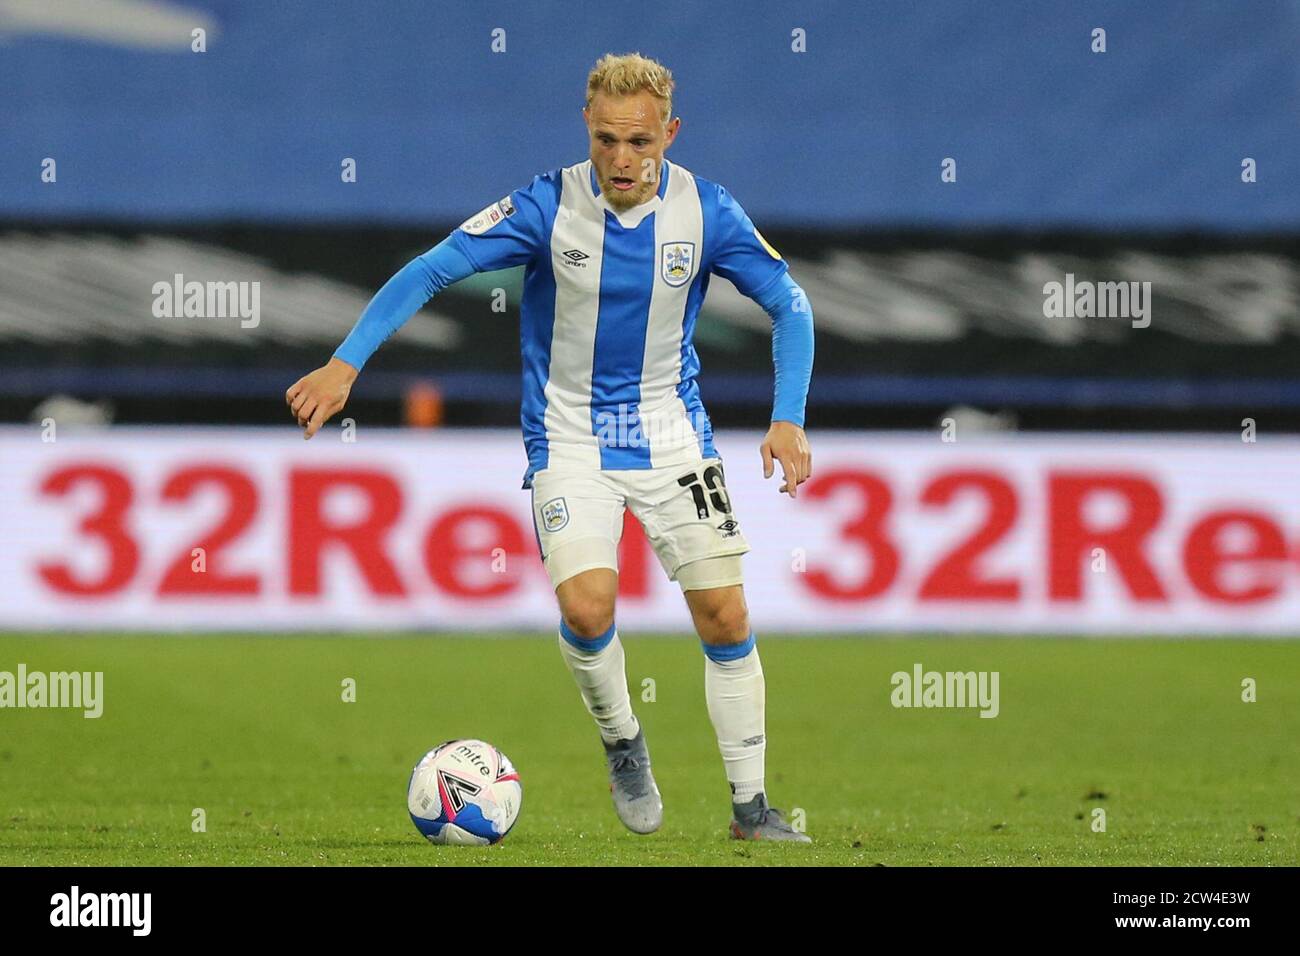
[(506, 233), (737, 251), (401, 297), (792, 347)]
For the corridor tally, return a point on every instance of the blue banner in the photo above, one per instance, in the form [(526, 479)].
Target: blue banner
[(840, 116)]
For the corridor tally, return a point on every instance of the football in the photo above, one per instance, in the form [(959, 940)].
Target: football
[(464, 792)]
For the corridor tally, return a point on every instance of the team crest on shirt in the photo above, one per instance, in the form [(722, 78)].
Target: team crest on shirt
[(555, 514), (677, 262), (489, 217)]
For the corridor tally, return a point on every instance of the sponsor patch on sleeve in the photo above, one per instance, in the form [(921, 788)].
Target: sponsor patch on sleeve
[(498, 212)]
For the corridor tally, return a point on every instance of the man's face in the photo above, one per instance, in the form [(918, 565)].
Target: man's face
[(628, 139)]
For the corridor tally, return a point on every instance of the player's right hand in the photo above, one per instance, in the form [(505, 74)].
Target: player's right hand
[(316, 397), (787, 444)]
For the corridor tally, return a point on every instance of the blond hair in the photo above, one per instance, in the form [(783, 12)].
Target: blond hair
[(631, 73)]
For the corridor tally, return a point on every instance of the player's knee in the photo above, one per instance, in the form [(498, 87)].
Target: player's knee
[(587, 605), (724, 621), (589, 620), (588, 615)]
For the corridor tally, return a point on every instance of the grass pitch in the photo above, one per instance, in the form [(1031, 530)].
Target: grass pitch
[(254, 731)]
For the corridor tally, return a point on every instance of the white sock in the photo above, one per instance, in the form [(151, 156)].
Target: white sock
[(597, 667), (736, 696)]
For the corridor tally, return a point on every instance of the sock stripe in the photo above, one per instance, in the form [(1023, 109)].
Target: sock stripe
[(589, 644), (729, 652)]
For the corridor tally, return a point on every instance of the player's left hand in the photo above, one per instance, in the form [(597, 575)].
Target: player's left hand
[(787, 443)]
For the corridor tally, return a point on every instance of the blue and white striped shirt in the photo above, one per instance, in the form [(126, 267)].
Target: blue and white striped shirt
[(609, 309)]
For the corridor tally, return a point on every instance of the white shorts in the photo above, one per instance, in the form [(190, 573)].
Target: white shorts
[(684, 509)]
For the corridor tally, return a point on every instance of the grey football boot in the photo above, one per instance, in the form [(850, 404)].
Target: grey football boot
[(755, 820), (636, 798)]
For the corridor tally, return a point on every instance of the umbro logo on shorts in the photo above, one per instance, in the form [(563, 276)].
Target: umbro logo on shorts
[(729, 528)]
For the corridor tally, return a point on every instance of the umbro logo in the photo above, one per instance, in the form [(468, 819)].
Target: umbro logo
[(575, 257), (729, 528)]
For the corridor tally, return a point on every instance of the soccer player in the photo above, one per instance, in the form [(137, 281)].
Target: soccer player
[(618, 250)]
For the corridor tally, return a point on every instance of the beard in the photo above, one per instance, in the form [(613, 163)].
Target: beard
[(623, 200)]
